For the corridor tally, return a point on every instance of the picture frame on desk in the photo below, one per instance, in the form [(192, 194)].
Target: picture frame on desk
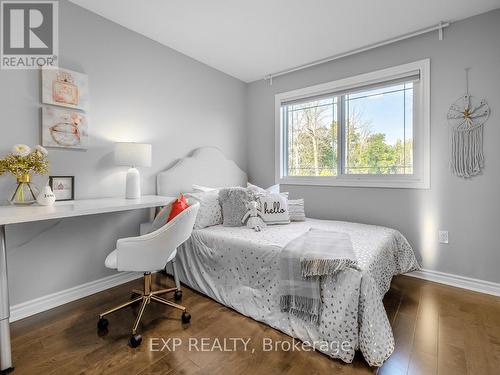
[(63, 187)]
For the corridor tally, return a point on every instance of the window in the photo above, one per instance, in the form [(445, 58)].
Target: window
[(368, 130), (312, 137), (378, 130)]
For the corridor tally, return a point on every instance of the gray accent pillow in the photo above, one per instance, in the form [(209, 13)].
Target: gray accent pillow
[(233, 201)]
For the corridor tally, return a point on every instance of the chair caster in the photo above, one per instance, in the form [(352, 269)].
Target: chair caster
[(102, 324), (135, 341), (178, 295), (186, 317)]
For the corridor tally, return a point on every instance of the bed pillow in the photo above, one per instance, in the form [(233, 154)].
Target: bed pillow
[(296, 210), (201, 188), (234, 205), (161, 218), (258, 190), (274, 208), (210, 212), (178, 206)]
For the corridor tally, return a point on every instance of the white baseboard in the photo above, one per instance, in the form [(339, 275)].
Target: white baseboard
[(37, 305), (463, 282)]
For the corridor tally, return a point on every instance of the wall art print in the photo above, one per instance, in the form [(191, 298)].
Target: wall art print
[(64, 128), (65, 88)]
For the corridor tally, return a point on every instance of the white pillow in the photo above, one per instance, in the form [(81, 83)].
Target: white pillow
[(296, 209), (274, 208), (210, 212), (201, 188), (258, 190), (161, 219)]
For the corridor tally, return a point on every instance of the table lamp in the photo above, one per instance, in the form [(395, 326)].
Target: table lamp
[(133, 155)]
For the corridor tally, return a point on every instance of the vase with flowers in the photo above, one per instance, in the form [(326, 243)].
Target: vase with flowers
[(23, 162)]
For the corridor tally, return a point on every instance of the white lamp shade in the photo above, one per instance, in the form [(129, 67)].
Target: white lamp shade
[(133, 154)]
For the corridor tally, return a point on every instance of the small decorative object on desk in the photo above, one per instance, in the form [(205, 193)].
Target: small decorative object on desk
[(23, 162), (63, 187), (46, 197)]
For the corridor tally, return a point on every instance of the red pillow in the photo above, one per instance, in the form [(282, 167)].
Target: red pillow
[(178, 206)]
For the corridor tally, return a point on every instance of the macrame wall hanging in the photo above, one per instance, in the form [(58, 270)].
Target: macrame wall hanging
[(467, 117)]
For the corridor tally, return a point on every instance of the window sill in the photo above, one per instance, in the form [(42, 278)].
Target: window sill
[(364, 182)]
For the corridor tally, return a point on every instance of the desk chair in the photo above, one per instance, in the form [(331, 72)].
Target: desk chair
[(150, 253)]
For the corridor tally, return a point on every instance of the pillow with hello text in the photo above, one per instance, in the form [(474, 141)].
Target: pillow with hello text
[(274, 208)]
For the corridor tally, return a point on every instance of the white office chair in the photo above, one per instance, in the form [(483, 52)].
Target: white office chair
[(149, 253)]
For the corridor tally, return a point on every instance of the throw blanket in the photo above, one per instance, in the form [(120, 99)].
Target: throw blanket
[(302, 263)]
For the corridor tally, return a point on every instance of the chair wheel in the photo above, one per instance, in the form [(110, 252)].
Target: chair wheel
[(186, 317), (135, 341), (178, 295), (102, 324)]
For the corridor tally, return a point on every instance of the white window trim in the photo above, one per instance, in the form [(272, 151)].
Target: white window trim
[(421, 130)]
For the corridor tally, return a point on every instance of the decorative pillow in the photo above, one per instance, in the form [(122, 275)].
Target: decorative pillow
[(274, 208), (201, 188), (234, 201), (161, 218), (210, 212), (258, 190), (178, 206), (296, 210)]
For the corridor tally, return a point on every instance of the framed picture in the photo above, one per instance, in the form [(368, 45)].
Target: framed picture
[(64, 128), (65, 88), (63, 187)]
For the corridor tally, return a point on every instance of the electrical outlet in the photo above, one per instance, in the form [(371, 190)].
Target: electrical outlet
[(443, 236)]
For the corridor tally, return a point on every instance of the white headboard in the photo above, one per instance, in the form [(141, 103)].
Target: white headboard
[(206, 166)]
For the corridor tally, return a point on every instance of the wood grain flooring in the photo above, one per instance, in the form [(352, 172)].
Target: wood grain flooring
[(438, 330)]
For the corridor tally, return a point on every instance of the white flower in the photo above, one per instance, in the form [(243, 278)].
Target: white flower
[(21, 150), (41, 150)]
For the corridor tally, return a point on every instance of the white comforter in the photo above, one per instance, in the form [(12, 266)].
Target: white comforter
[(240, 268)]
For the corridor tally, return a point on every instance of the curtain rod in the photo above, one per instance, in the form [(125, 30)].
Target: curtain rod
[(439, 27)]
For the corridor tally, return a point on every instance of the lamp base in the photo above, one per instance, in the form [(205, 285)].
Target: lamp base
[(133, 189)]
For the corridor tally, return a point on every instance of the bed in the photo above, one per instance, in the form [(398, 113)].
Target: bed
[(239, 268)]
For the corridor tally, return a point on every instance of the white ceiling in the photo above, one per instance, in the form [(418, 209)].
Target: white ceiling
[(249, 39)]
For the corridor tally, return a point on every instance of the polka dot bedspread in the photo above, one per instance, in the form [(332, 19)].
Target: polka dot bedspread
[(239, 268)]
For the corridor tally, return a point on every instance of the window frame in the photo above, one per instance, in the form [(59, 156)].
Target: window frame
[(420, 179)]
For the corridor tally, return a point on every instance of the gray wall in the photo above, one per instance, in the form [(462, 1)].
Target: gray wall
[(140, 91), (145, 92), (469, 209)]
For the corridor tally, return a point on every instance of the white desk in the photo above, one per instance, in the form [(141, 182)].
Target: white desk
[(18, 214)]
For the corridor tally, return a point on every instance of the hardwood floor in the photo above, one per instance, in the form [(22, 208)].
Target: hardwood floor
[(438, 330)]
